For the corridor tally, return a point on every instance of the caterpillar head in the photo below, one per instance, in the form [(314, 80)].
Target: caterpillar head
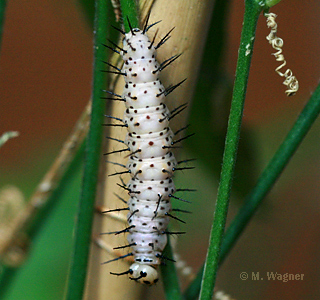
[(144, 274)]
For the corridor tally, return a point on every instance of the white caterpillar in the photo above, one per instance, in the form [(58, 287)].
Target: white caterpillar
[(151, 163)]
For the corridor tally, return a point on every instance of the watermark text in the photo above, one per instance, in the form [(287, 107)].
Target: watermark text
[(275, 276)]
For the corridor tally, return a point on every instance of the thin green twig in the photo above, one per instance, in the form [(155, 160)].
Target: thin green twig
[(272, 171), (3, 4), (130, 12), (82, 239), (169, 276), (252, 11), (265, 182), (88, 9)]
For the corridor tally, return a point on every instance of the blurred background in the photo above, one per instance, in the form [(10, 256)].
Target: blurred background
[(45, 82)]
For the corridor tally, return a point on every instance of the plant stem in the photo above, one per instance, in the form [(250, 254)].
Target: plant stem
[(78, 268), (252, 11), (169, 276), (129, 12), (272, 171), (265, 182), (88, 9), (3, 4)]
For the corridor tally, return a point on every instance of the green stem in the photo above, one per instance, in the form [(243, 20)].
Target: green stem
[(129, 12), (169, 276), (3, 4), (270, 3), (265, 182), (88, 9), (82, 239), (252, 11), (272, 171)]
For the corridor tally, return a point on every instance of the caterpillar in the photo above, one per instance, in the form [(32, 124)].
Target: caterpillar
[(151, 162)]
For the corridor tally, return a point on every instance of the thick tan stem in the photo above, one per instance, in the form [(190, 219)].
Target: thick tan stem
[(190, 19)]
